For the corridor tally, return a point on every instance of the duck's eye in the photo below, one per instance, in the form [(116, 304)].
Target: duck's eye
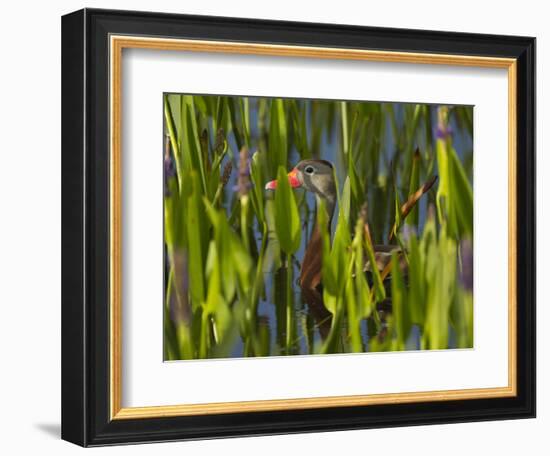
[(309, 169)]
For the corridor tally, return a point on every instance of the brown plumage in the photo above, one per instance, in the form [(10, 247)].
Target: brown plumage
[(312, 264)]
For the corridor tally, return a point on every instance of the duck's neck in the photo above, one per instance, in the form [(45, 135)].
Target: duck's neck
[(310, 274), (329, 203)]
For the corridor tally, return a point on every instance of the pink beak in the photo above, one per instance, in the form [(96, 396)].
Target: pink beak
[(293, 180)]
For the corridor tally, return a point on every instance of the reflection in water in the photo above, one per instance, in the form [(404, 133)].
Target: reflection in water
[(305, 326)]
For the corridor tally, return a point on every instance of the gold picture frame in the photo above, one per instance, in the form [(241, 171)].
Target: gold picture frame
[(110, 29)]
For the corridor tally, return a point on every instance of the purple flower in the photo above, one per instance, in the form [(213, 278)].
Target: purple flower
[(443, 132), (466, 276), (407, 232), (169, 173), (226, 174), (243, 179), (444, 129), (169, 167)]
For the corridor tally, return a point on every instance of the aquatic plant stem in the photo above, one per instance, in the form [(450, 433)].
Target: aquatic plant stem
[(203, 350), (169, 288), (258, 282), (289, 303), (244, 224)]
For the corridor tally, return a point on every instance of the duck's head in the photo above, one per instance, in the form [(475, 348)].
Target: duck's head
[(316, 176)]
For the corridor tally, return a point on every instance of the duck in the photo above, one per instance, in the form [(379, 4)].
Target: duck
[(317, 176)]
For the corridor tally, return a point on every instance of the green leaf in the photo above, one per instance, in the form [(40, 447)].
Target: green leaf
[(287, 217), (345, 128), (191, 149), (236, 126), (215, 305), (346, 199), (196, 231), (173, 134), (356, 186), (278, 135), (378, 284), (414, 184), (455, 195), (417, 282), (297, 113), (245, 116), (396, 207), (401, 310), (441, 277), (462, 193), (257, 175), (362, 289)]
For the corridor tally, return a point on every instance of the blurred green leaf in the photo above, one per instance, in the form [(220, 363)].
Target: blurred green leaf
[(417, 282), (197, 228), (441, 270), (462, 194), (215, 306)]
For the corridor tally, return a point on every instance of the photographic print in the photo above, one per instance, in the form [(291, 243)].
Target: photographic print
[(308, 215), (300, 227)]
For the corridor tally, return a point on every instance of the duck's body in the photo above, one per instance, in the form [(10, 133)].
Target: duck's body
[(310, 273), (317, 176)]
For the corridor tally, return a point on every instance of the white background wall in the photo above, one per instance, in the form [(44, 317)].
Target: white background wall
[(30, 192)]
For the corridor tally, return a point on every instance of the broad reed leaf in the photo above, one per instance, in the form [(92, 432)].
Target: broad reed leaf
[(441, 277), (345, 128), (173, 134), (444, 205), (417, 281), (378, 284), (354, 326), (336, 259), (357, 188), (190, 147), (287, 217), (346, 199), (236, 126), (222, 119), (197, 229), (258, 165), (272, 258), (278, 135), (462, 314), (297, 113), (400, 308), (361, 291), (216, 311), (462, 195), (244, 104)]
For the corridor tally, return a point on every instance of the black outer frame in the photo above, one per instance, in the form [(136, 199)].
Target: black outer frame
[(85, 227)]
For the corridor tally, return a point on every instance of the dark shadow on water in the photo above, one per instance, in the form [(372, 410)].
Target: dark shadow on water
[(321, 316), (51, 429)]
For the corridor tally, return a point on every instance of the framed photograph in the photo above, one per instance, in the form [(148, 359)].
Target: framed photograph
[(276, 227)]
